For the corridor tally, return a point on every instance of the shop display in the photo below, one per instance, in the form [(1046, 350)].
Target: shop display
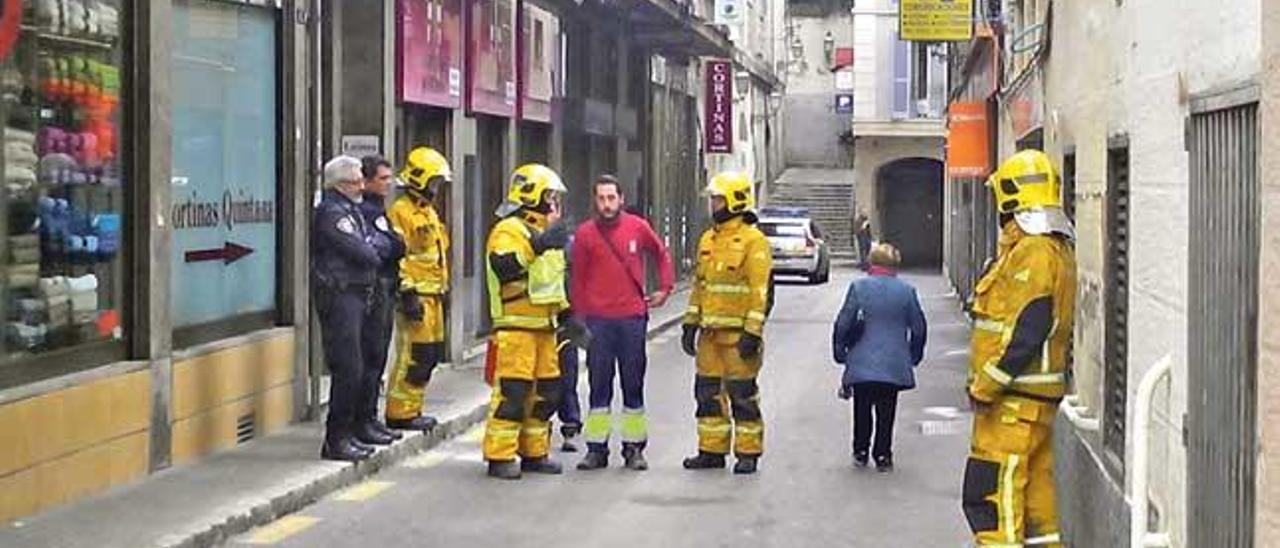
[(62, 194)]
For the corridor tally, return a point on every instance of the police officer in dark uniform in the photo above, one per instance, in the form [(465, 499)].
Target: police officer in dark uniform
[(344, 267), (376, 335)]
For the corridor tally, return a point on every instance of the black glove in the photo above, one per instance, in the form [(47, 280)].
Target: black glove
[(689, 340), (575, 332), (840, 355), (749, 346), (411, 305), (555, 236)]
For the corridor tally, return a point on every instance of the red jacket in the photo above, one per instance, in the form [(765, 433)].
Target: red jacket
[(599, 287)]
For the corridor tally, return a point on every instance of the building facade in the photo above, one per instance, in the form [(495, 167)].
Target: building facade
[(155, 295), (1159, 142), (899, 95), (162, 158)]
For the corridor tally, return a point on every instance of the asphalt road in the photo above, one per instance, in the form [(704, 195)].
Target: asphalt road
[(806, 494)]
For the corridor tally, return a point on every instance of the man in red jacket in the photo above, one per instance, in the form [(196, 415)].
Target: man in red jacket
[(608, 291)]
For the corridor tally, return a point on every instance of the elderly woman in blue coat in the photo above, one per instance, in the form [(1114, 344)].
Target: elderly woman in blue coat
[(879, 337)]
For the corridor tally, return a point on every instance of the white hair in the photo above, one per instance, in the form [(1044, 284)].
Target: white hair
[(342, 169)]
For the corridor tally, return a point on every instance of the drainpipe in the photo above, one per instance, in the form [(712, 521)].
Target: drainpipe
[(1139, 536)]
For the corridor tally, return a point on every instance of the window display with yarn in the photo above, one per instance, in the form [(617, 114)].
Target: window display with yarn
[(63, 200)]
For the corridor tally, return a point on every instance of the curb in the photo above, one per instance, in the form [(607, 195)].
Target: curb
[(300, 497), (303, 496)]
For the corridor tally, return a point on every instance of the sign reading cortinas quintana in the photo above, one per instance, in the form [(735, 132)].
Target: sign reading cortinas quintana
[(719, 107)]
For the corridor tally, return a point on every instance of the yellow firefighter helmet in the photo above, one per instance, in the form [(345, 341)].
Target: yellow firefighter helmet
[(1026, 181), (422, 166), (531, 186), (736, 189)]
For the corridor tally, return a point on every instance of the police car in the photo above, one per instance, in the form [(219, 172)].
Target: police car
[(799, 248)]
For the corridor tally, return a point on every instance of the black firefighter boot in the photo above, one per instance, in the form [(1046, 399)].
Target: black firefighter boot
[(541, 465), (504, 469), (378, 426), (340, 448), (368, 434), (746, 464), (594, 460), (633, 457), (704, 461), (423, 423)]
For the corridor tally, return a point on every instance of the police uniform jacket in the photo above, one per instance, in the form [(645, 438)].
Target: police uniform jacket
[(343, 254)]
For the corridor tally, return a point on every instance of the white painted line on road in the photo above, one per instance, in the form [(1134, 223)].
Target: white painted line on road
[(363, 491), (944, 412), (469, 456), (426, 460), (474, 435), (943, 428), (280, 529), (958, 352)]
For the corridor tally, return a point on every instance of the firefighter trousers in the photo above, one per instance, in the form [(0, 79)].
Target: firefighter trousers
[(526, 392), (727, 396), (1008, 481), (419, 348)]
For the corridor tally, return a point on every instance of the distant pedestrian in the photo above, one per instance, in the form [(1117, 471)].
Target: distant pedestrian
[(879, 337), (862, 237), (608, 272)]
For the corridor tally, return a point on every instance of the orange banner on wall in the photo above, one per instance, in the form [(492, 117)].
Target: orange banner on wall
[(967, 153)]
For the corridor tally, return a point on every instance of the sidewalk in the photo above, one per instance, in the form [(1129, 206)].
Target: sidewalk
[(228, 493)]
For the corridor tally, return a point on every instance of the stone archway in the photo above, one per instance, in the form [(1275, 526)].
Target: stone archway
[(909, 206)]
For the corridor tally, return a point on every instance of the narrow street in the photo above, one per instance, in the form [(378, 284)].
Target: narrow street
[(807, 494)]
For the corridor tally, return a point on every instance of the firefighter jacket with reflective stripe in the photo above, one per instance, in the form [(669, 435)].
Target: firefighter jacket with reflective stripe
[(535, 299), (425, 266), (1023, 318), (731, 288)]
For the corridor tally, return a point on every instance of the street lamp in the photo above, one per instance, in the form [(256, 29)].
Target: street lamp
[(828, 47)]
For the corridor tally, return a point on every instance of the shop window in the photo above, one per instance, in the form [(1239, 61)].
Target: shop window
[(225, 156), (63, 202)]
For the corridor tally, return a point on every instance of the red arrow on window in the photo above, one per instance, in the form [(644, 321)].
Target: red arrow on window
[(228, 254)]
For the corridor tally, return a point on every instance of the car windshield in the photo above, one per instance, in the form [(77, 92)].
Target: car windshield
[(795, 230)]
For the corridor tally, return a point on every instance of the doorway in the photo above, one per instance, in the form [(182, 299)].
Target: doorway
[(909, 202)]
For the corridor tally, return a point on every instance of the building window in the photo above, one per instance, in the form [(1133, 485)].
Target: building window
[(920, 74), (539, 44), (64, 286), (1116, 322), (225, 149)]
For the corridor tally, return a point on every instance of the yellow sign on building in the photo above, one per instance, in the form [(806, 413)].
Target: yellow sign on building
[(936, 20)]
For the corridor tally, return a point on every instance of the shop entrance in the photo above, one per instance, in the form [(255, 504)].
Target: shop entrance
[(485, 185), (909, 195)]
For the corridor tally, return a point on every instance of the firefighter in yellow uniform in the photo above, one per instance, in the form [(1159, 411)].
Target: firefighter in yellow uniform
[(424, 284), (1023, 318), (728, 305), (528, 304)]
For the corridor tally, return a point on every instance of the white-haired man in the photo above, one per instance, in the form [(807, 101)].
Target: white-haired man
[(344, 265)]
